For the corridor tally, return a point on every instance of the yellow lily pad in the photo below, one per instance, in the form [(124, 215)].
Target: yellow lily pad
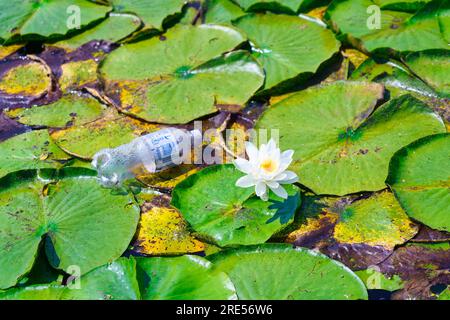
[(31, 79), (163, 231)]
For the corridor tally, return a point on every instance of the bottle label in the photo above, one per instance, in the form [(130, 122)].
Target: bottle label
[(165, 148)]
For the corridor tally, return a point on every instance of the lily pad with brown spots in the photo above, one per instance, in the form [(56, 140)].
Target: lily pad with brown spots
[(162, 229)]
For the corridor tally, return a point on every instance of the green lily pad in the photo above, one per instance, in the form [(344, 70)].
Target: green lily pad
[(376, 221), (152, 12), (114, 281), (340, 146), (433, 66), (113, 29), (395, 77), (109, 131), (74, 210), (225, 214), (30, 150), (290, 6), (52, 291), (181, 76), (222, 11), (45, 18), (183, 278), (401, 5), (419, 176), (280, 272), (287, 46), (399, 31), (29, 79), (444, 20), (70, 109)]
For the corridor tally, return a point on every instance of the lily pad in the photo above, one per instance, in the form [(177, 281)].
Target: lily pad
[(222, 11), (340, 146), (163, 231), (113, 29), (76, 74), (31, 150), (183, 278), (181, 76), (357, 230), (110, 131), (394, 76), (70, 109), (291, 6), (29, 79), (45, 18), (433, 66), (152, 12), (399, 31), (8, 50), (51, 291), (220, 212), (376, 221), (401, 5), (114, 281), (419, 176), (287, 46), (294, 274), (63, 213)]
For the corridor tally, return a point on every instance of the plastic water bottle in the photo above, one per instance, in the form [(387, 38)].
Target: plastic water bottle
[(150, 153)]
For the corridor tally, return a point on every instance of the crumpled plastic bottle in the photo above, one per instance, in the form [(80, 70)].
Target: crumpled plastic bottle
[(150, 153)]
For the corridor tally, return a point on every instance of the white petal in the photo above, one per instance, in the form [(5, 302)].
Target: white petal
[(280, 192), (245, 182), (252, 151), (287, 154), (287, 177), (285, 163), (265, 196), (272, 184), (260, 188), (243, 165)]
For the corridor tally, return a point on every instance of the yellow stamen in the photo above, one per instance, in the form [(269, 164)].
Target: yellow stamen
[(268, 165)]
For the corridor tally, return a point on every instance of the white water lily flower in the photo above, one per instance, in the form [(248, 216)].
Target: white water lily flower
[(266, 169)]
